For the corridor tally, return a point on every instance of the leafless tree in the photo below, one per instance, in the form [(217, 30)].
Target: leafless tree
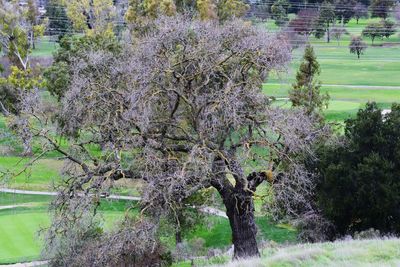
[(357, 46), (132, 243), (338, 32), (182, 109)]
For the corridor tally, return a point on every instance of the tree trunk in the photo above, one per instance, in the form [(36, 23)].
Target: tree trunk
[(33, 41), (328, 33), (240, 211), (178, 237)]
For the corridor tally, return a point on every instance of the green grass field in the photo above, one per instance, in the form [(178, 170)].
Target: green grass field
[(19, 226), (38, 177), (350, 82), (219, 234), (44, 47)]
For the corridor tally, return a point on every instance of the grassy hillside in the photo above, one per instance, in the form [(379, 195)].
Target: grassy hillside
[(342, 253), (346, 253)]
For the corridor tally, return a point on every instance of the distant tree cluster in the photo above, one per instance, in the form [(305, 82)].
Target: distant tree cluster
[(382, 29), (280, 12), (329, 18), (397, 13), (381, 8)]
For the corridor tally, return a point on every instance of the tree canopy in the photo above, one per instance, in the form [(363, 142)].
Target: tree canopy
[(181, 109), (357, 46), (359, 176)]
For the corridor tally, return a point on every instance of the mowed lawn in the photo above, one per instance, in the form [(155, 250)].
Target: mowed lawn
[(38, 177), (350, 82), (19, 240), (45, 47), (344, 102), (19, 226), (378, 67), (19, 233)]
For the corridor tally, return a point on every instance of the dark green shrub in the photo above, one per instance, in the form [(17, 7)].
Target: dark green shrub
[(359, 181), (72, 50)]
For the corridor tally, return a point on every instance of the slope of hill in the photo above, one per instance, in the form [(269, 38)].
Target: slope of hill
[(385, 252)]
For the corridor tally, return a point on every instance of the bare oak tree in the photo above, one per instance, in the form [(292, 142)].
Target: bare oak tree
[(180, 108)]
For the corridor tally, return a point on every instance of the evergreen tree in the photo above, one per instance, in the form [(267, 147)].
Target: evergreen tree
[(279, 12), (59, 23), (325, 20), (381, 8), (306, 91), (359, 179)]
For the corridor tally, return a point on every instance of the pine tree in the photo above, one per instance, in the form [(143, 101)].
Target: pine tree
[(306, 91), (59, 23)]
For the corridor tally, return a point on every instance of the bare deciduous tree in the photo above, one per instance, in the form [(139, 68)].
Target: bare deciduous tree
[(357, 46), (338, 32), (181, 109)]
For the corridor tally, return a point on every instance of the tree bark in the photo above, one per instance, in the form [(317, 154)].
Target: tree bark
[(238, 201), (240, 211), (178, 237), (328, 33)]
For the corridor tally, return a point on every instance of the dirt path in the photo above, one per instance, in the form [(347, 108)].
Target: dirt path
[(14, 206), (48, 193), (27, 264), (369, 87), (208, 210)]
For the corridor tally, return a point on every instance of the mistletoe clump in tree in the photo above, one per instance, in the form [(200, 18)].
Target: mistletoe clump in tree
[(182, 110)]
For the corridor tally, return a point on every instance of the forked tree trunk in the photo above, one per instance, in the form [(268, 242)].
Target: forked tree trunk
[(240, 211)]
